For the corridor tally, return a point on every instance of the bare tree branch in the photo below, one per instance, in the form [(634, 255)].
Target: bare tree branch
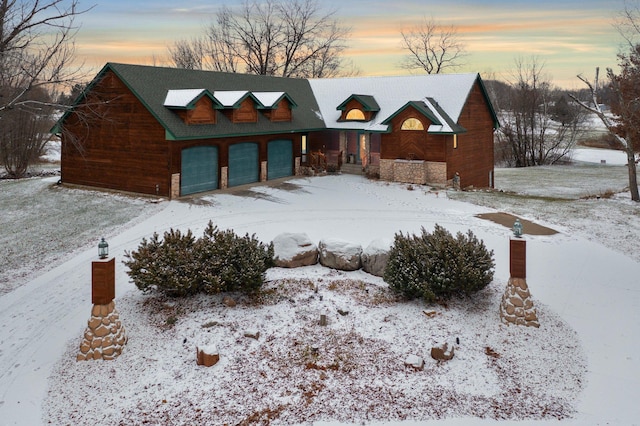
[(289, 38), (432, 47)]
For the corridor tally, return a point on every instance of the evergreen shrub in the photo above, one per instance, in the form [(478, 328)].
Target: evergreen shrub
[(219, 261), (437, 266)]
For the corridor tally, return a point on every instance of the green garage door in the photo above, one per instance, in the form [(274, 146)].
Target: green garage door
[(199, 169), (243, 164), (279, 159)]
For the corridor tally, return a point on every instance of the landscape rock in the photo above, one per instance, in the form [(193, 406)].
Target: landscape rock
[(375, 256), (253, 334), (294, 250), (516, 306), (340, 255), (443, 352), (104, 336), (228, 301), (414, 362)]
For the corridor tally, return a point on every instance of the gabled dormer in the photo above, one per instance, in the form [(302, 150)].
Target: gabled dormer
[(425, 115), (358, 108), (193, 106), (276, 106), (239, 106)]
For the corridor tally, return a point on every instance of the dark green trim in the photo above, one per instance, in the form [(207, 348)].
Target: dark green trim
[(368, 103)]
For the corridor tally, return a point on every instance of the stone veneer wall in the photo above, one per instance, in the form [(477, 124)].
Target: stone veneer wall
[(417, 172), (175, 186), (224, 177), (436, 172), (263, 171), (516, 306), (105, 335)]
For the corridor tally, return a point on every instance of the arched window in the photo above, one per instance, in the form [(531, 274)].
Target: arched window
[(355, 114), (412, 124)]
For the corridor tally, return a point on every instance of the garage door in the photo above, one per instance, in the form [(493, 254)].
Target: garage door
[(199, 169), (243, 164), (279, 159)]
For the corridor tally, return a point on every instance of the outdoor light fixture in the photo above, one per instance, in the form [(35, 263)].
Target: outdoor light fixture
[(517, 228), (103, 249)]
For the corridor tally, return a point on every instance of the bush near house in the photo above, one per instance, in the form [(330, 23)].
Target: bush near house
[(180, 265), (437, 266)]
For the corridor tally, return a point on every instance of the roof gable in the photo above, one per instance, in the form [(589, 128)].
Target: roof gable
[(270, 100), (368, 103), (186, 98)]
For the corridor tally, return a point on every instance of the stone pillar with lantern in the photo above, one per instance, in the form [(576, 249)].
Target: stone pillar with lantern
[(516, 306), (105, 335)]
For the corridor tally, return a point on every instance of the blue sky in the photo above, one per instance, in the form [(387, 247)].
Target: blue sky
[(569, 37)]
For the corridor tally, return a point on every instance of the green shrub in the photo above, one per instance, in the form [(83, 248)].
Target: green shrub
[(167, 266), (180, 265), (437, 266), (230, 262)]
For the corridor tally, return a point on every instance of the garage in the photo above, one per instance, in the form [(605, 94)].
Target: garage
[(244, 164), (199, 170), (279, 159)]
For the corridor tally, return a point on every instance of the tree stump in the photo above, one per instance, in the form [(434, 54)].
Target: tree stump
[(207, 355)]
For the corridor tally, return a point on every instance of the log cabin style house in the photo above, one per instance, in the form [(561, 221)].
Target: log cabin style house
[(174, 132)]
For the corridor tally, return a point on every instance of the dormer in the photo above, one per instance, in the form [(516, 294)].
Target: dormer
[(193, 106), (276, 106), (425, 115), (358, 108), (239, 106)]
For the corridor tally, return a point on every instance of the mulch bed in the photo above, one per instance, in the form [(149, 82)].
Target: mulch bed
[(506, 219)]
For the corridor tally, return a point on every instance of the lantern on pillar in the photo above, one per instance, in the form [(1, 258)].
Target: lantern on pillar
[(103, 249), (517, 228)]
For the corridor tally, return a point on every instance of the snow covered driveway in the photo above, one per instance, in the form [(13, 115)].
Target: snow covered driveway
[(594, 289)]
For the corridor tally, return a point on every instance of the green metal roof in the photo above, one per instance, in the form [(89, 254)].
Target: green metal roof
[(151, 85), (368, 103)]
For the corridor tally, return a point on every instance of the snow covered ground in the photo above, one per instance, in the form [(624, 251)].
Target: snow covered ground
[(581, 366)]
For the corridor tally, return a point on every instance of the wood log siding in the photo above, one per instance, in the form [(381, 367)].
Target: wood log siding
[(474, 157), (282, 112), (203, 113), (118, 145), (412, 144)]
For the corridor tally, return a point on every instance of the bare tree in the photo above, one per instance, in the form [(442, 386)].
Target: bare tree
[(432, 47), (625, 125), (628, 22), (289, 38), (36, 53), (529, 136)]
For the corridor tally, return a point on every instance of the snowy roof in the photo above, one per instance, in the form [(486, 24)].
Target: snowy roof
[(229, 98), (181, 98), (268, 99), (444, 95)]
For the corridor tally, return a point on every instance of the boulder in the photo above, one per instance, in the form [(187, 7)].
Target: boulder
[(294, 250), (443, 352), (375, 256), (414, 362), (340, 255), (229, 302)]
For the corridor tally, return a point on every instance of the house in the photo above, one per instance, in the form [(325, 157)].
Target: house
[(174, 132)]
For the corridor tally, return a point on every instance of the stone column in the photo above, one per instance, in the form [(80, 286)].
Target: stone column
[(516, 306), (105, 335)]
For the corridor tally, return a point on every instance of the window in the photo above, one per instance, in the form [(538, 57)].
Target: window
[(412, 124), (455, 141), (355, 114), (303, 148)]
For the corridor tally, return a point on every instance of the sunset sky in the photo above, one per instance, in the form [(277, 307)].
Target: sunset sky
[(569, 36)]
